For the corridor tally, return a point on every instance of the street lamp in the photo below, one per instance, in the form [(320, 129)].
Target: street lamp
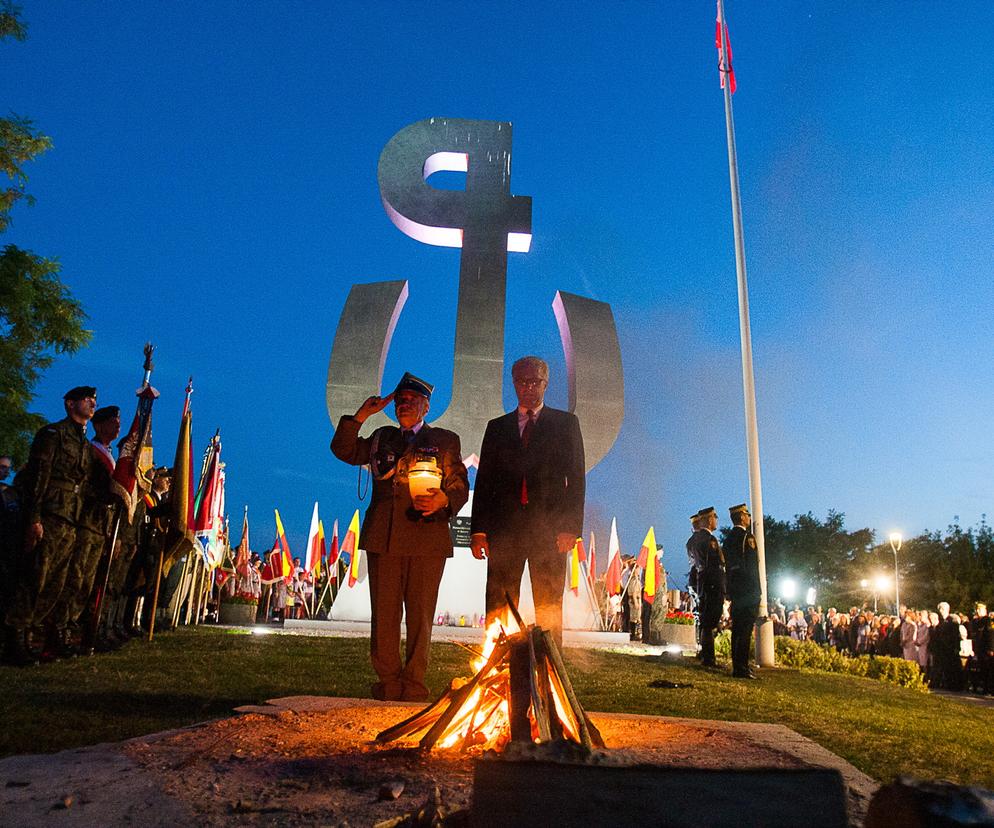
[(895, 543), (880, 584)]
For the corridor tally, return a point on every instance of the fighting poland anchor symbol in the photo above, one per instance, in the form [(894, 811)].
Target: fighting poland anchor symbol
[(486, 221)]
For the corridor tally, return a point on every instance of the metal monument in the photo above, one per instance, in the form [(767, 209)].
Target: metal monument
[(486, 222)]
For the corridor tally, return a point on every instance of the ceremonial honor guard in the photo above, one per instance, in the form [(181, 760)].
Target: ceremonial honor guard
[(706, 557), (52, 486), (407, 538), (93, 531), (742, 570)]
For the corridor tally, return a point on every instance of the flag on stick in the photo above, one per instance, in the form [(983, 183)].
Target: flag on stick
[(312, 557), (350, 547), (127, 482), (181, 495), (242, 553), (286, 559), (648, 559), (333, 552), (612, 578), (322, 556), (592, 561), (576, 555), (726, 67)]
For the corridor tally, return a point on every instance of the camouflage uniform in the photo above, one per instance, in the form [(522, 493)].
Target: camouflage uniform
[(92, 533), (52, 487)]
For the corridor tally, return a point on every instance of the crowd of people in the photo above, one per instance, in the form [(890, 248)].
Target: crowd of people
[(79, 558), (953, 650)]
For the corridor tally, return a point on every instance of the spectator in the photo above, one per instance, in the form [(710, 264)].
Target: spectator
[(908, 632)]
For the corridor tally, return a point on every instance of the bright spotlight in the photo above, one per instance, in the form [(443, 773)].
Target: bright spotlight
[(788, 588), (864, 583), (882, 583), (261, 631)]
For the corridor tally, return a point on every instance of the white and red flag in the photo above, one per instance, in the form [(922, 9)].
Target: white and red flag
[(612, 578), (724, 68)]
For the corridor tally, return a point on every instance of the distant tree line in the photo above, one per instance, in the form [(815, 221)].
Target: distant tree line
[(956, 565)]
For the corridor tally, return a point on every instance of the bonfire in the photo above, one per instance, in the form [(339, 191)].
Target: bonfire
[(519, 692)]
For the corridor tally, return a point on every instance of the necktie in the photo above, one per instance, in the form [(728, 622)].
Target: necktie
[(409, 435), (526, 434)]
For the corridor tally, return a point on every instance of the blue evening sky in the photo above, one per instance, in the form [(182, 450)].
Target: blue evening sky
[(212, 187)]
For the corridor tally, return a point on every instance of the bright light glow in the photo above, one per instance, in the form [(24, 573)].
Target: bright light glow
[(896, 539), (788, 588), (864, 583), (676, 649), (882, 583), (811, 596), (261, 631)]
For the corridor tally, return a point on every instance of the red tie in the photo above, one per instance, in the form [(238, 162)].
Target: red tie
[(526, 434)]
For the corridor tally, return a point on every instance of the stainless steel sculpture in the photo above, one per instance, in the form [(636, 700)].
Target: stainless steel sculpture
[(486, 221)]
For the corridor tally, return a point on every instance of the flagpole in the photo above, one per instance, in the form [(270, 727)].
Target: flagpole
[(764, 629)]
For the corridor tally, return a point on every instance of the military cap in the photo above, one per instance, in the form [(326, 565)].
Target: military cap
[(742, 507), (705, 512), (409, 382), (695, 516), (80, 392), (108, 412)]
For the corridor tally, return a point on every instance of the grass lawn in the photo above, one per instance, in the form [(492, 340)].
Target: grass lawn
[(194, 674)]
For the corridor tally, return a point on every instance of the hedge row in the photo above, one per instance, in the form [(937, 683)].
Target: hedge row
[(807, 655)]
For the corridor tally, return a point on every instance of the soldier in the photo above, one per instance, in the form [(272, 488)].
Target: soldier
[(407, 538), (706, 557), (51, 485), (742, 568), (92, 533), (10, 535)]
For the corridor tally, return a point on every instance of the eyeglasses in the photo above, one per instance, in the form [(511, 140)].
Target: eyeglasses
[(530, 383)]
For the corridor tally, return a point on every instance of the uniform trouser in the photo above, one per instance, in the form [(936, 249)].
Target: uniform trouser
[(401, 584), (48, 564), (743, 620), (710, 618), (548, 574), (79, 579)]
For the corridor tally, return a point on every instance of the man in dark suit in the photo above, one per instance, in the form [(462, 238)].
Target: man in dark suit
[(742, 570), (528, 499), (407, 539)]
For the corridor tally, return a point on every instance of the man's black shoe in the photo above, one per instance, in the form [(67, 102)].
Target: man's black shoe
[(748, 674)]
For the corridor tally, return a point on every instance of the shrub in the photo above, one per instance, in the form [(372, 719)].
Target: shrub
[(807, 655), (241, 598), (677, 617)]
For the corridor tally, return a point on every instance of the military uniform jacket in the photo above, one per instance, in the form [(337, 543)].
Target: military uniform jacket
[(742, 568), (52, 483), (392, 526), (97, 514), (706, 557), (553, 466)]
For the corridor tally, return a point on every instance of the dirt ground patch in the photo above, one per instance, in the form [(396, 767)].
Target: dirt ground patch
[(312, 761)]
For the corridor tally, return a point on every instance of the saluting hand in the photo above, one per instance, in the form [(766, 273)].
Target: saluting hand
[(372, 405)]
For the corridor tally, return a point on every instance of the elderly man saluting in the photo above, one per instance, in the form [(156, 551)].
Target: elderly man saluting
[(407, 540)]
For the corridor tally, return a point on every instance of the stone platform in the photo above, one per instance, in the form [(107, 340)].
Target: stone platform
[(311, 760)]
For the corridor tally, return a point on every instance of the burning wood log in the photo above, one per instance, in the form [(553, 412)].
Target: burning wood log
[(521, 693)]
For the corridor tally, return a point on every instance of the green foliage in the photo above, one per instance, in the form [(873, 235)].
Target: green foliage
[(38, 318), (807, 655), (955, 566), (10, 22), (817, 553), (20, 142)]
